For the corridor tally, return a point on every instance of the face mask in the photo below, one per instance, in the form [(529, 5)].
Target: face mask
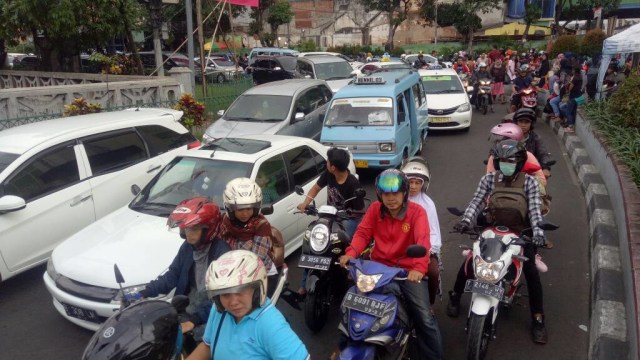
[(508, 169)]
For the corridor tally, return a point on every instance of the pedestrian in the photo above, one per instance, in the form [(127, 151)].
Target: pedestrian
[(511, 66), (498, 73), (494, 54), (573, 90)]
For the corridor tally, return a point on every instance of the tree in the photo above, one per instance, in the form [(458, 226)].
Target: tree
[(397, 12), (577, 9), (532, 13), (280, 13), (363, 20)]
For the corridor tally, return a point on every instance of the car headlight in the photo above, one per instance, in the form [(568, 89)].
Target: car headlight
[(366, 283), (464, 107), (51, 270), (207, 138), (488, 272), (319, 237), (129, 290), (387, 147)]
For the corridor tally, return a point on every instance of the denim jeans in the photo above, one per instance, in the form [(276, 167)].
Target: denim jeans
[(555, 105), (569, 111), (416, 296)]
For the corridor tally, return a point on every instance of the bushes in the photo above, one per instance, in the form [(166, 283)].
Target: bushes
[(80, 106), (591, 44), (626, 101), (193, 111), (564, 44)]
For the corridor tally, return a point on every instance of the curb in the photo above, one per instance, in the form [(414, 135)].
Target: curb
[(608, 338)]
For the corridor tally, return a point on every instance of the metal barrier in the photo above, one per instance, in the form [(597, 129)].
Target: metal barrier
[(221, 95)]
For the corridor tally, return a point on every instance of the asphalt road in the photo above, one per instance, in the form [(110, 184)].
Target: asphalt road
[(31, 328)]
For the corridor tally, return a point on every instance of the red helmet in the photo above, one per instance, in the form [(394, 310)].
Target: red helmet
[(197, 211)]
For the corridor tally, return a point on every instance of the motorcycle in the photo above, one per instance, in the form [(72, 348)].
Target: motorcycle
[(373, 317), (484, 92), (497, 262), (325, 240)]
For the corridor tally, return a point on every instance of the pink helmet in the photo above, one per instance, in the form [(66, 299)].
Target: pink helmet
[(508, 130)]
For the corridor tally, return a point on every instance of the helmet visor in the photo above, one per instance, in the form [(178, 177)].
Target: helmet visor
[(390, 183), (232, 290)]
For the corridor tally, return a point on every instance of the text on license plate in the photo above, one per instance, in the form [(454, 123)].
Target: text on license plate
[(439, 119), (361, 163), (80, 313), (314, 262), (364, 304), (479, 287)]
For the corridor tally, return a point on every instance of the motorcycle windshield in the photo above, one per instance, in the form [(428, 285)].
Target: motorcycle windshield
[(491, 248)]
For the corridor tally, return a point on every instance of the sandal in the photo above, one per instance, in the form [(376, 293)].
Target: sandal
[(569, 129)]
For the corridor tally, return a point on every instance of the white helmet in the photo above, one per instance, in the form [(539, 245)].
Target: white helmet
[(417, 167), (242, 193), (234, 271)]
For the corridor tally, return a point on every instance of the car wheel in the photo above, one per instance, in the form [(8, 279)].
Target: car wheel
[(220, 79)]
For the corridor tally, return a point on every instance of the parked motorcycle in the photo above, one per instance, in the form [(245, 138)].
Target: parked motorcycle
[(374, 319), (484, 92), (497, 262), (325, 240)]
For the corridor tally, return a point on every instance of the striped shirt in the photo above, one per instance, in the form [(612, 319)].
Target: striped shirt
[(485, 188)]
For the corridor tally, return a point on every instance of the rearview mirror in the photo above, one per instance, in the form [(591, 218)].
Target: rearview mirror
[(299, 190), (119, 277), (416, 251), (9, 203), (266, 210), (547, 226), (180, 303), (360, 193), (220, 112), (299, 116), (135, 189), (455, 211)]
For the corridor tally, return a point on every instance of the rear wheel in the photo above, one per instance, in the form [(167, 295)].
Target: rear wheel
[(478, 336), (220, 79)]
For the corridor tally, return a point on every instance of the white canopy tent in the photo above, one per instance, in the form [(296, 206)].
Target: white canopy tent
[(625, 42)]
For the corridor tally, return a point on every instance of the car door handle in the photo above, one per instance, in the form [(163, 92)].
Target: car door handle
[(292, 208), (153, 168), (80, 200)]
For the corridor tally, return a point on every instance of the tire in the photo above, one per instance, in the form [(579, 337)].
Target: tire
[(477, 337), (316, 308), (220, 79), (484, 105)]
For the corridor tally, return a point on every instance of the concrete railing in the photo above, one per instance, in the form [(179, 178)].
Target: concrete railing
[(32, 93)]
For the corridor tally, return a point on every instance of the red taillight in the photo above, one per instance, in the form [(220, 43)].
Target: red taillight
[(385, 162), (193, 145)]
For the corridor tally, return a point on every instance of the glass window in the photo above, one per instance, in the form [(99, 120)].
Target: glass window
[(272, 178), (442, 84), (333, 70), (310, 100), (401, 108), (365, 111), (416, 95), (46, 173), (161, 140), (259, 108), (114, 152), (6, 159), (302, 165)]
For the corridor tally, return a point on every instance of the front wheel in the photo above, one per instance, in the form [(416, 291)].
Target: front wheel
[(478, 336), (316, 308), (484, 105)]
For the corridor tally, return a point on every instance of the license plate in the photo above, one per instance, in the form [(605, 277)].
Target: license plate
[(361, 163), (439, 119), (479, 287), (364, 304), (314, 262), (80, 313)]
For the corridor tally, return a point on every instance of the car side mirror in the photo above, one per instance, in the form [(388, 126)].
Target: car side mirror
[(299, 190), (220, 112), (266, 210), (299, 116), (135, 189), (9, 203), (423, 112)]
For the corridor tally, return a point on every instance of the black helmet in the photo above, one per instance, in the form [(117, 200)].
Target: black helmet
[(146, 330), (509, 150), (392, 180), (525, 113)]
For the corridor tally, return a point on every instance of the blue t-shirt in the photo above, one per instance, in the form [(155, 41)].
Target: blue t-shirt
[(264, 334)]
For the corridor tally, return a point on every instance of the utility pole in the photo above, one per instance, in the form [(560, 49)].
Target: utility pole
[(203, 61), (436, 40), (156, 18), (190, 49)]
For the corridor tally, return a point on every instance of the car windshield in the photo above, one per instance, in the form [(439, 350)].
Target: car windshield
[(442, 84), (6, 159), (258, 107), (365, 111), (333, 70), (185, 178)]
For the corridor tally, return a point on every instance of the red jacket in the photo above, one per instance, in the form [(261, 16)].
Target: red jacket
[(392, 236)]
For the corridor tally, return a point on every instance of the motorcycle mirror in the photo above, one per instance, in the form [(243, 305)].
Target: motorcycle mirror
[(547, 226), (455, 211), (266, 210), (180, 303), (135, 189), (550, 163), (119, 277), (485, 161), (416, 251), (299, 190), (360, 193)]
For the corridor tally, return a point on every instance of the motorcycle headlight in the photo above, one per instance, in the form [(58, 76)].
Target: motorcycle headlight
[(464, 107), (386, 147), (366, 283), (129, 290), (51, 270), (489, 272), (319, 237)]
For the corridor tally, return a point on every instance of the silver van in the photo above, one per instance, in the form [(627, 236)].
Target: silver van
[(288, 107)]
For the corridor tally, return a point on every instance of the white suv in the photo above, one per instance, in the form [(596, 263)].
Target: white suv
[(58, 176)]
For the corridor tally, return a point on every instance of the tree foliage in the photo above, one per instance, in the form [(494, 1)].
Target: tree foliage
[(280, 13), (591, 44), (397, 12), (532, 13), (565, 43), (581, 9)]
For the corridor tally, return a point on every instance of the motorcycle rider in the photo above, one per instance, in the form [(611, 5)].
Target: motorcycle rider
[(244, 227), (417, 171), (199, 221), (481, 74), (420, 62), (244, 324), (525, 118), (460, 67), (394, 223), (522, 81), (510, 158)]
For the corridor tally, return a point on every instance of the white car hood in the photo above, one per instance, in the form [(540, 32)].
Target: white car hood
[(223, 128), (140, 244), (336, 85), (446, 101)]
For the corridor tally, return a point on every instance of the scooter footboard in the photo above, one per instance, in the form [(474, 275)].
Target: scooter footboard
[(358, 351), (480, 305)]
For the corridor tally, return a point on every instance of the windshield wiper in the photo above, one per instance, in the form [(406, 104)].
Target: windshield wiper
[(445, 91), (151, 206), (337, 78), (241, 118), (270, 120)]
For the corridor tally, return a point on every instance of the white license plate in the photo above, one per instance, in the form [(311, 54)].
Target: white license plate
[(439, 119), (314, 262), (480, 287)]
